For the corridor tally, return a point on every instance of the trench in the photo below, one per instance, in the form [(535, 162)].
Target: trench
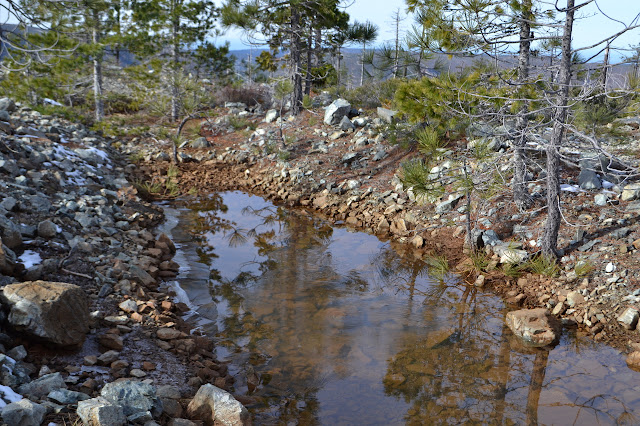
[(322, 325)]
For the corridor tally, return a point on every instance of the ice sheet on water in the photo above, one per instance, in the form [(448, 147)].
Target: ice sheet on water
[(30, 258)]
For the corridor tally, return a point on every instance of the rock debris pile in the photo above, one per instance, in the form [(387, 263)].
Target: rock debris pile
[(89, 331)]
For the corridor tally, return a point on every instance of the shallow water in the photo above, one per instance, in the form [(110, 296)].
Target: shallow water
[(326, 326)]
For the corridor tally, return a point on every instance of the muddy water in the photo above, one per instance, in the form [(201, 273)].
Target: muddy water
[(326, 326)]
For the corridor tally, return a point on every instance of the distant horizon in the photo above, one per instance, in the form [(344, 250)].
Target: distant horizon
[(590, 27)]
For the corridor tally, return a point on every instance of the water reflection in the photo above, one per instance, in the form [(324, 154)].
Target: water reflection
[(325, 326)]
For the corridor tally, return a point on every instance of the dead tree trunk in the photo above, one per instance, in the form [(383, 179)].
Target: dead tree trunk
[(520, 191), (97, 69), (552, 225), (295, 60), (175, 58)]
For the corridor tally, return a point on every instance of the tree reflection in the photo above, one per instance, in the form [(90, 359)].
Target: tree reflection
[(297, 321), (280, 341)]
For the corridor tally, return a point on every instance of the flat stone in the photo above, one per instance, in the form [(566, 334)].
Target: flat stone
[(7, 104), (334, 112), (111, 341), (200, 143), (128, 306), (346, 124), (558, 309), (213, 405), (588, 179), (133, 396), (386, 115), (47, 229), (100, 412), (54, 312), (66, 397), (629, 318), (630, 192), (10, 233), (601, 200), (23, 413), (449, 204), (43, 386), (9, 167), (534, 327), (141, 275), (574, 298), (169, 334), (271, 116)]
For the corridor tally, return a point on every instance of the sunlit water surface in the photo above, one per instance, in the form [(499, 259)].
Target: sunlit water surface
[(322, 325)]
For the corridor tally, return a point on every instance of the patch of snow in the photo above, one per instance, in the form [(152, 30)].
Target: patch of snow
[(63, 152), (63, 139), (100, 153), (606, 184), (52, 102), (570, 188), (7, 396), (30, 258)]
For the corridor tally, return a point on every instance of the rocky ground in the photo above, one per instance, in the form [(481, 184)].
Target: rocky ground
[(344, 166), (103, 339), (89, 331)]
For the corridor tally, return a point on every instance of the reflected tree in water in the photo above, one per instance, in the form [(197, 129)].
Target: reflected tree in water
[(284, 341)]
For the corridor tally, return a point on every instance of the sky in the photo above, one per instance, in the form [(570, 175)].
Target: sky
[(593, 26)]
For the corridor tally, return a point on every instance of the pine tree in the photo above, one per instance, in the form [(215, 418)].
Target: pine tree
[(175, 26), (363, 33), (281, 25)]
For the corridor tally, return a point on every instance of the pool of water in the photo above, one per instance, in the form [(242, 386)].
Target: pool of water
[(322, 325)]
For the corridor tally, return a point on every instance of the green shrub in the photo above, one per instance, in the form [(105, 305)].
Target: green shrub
[(373, 94), (120, 103)]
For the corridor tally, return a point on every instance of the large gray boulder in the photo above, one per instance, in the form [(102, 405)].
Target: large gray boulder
[(213, 405), (8, 259), (200, 142), (534, 327), (10, 232), (271, 116), (100, 412), (133, 396), (387, 115), (588, 179), (7, 104), (630, 192), (334, 112), (54, 312), (43, 386), (23, 413), (346, 124)]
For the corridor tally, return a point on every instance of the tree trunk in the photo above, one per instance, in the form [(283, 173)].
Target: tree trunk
[(552, 225), (307, 83), (396, 56), (318, 46), (364, 51), (339, 82), (175, 58), (295, 59), (97, 69), (520, 191), (605, 70), (535, 387)]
